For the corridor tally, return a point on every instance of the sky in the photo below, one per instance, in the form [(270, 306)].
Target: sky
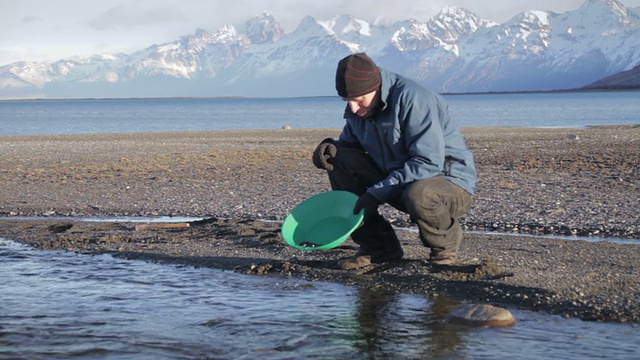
[(50, 30)]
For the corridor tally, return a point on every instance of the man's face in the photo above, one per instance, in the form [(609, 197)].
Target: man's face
[(363, 105)]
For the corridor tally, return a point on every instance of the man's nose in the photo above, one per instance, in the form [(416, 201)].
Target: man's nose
[(354, 106)]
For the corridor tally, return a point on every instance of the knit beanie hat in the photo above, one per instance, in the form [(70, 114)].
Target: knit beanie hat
[(357, 75)]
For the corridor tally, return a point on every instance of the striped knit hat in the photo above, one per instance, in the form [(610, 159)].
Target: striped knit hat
[(357, 75)]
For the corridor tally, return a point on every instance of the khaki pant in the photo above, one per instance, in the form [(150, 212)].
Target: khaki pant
[(433, 204)]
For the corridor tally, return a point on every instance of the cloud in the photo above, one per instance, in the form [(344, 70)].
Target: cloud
[(131, 16), (31, 19)]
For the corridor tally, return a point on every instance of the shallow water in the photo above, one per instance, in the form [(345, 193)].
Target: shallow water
[(562, 110), (56, 304)]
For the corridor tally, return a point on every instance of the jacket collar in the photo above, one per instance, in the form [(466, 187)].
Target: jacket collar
[(387, 78)]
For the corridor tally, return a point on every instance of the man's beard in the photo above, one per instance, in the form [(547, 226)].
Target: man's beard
[(373, 109)]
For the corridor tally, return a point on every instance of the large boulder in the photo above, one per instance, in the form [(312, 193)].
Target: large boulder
[(482, 315)]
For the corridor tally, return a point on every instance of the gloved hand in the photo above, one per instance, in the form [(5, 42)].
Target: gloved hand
[(324, 154), (367, 202)]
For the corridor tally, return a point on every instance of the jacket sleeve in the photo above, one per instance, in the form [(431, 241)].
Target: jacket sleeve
[(423, 141)]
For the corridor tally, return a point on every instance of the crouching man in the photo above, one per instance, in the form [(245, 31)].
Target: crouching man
[(399, 146)]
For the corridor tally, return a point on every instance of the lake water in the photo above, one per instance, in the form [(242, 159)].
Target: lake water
[(111, 116), (57, 305)]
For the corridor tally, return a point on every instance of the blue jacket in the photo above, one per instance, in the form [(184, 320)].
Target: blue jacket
[(411, 137)]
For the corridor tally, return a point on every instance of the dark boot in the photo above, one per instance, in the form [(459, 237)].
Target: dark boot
[(440, 256), (378, 243)]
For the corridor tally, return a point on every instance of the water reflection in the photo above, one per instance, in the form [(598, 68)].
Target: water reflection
[(393, 324), (445, 337)]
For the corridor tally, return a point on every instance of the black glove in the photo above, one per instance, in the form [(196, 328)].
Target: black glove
[(367, 202), (324, 154)]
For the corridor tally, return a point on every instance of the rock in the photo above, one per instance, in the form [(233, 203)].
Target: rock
[(286, 127), (482, 315), (573, 137)]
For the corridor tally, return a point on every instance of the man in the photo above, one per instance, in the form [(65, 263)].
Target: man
[(398, 146)]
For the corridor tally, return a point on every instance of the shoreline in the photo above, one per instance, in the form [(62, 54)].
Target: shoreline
[(231, 97), (177, 132), (532, 181)]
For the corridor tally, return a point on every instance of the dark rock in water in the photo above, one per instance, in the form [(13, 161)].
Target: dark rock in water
[(482, 315)]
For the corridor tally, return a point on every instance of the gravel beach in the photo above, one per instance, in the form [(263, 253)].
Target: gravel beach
[(532, 182)]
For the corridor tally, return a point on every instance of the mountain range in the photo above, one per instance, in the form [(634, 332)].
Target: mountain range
[(455, 51)]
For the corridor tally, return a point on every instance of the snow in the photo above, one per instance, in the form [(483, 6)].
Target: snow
[(111, 77), (542, 17)]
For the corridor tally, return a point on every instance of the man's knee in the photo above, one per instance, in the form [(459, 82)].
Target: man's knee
[(424, 195)]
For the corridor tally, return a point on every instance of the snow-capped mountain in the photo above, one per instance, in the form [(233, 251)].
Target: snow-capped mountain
[(455, 51)]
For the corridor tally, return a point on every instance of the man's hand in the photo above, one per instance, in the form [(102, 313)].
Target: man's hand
[(323, 155), (368, 203)]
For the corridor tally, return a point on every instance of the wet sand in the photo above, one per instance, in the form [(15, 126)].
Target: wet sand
[(531, 181)]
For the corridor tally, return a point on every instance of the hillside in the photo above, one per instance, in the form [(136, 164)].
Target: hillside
[(624, 80)]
